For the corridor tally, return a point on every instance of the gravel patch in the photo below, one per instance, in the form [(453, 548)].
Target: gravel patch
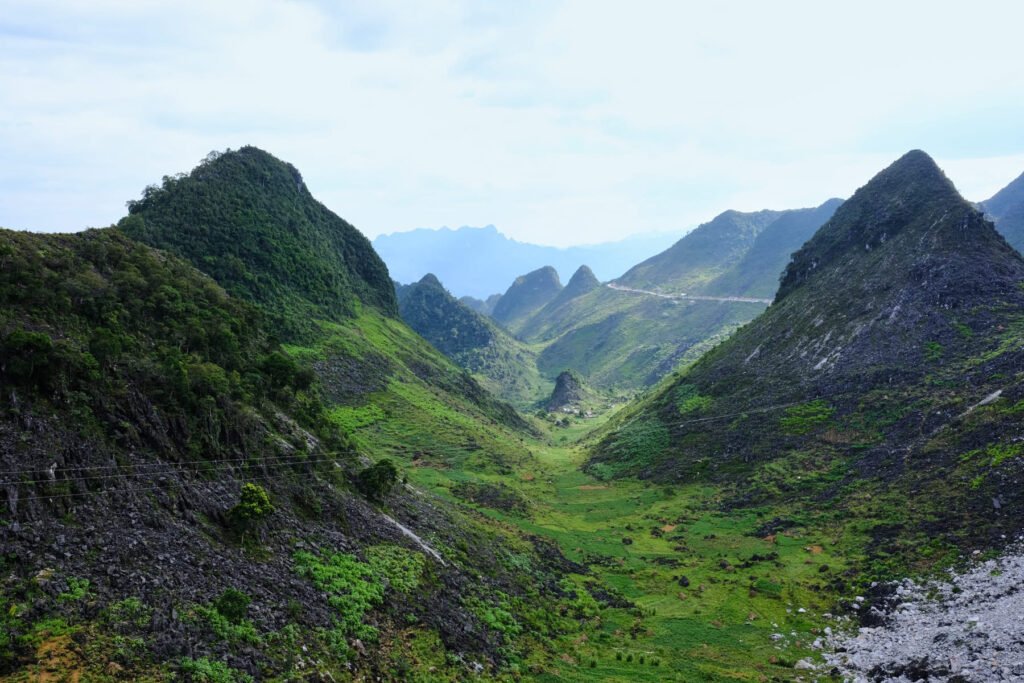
[(969, 628)]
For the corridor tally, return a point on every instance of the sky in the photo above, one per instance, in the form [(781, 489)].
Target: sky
[(560, 122)]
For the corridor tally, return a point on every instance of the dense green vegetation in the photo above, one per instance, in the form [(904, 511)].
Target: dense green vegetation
[(500, 362), (246, 219)]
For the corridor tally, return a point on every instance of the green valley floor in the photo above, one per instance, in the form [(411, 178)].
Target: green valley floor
[(699, 593)]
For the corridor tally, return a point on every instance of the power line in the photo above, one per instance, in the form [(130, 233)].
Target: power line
[(261, 477), (170, 468), (85, 468), (765, 409)]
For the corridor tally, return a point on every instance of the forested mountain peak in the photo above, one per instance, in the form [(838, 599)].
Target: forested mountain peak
[(247, 219)]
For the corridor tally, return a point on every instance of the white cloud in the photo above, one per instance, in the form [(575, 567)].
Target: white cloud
[(576, 122)]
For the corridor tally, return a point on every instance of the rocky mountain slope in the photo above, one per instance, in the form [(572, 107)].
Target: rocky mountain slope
[(1006, 209), (500, 362), (890, 359), (570, 391), (185, 497), (179, 502)]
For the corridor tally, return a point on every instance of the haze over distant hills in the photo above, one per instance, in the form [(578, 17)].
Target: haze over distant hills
[(479, 262)]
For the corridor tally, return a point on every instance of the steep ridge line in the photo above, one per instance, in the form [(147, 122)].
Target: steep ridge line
[(694, 297)]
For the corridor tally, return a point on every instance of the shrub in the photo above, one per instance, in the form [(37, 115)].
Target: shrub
[(377, 480), (204, 670), (253, 507), (233, 605), (804, 418)]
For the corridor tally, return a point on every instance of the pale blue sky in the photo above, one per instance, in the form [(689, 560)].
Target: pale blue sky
[(559, 122)]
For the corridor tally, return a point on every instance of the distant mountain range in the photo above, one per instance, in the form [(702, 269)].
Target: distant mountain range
[(479, 262)]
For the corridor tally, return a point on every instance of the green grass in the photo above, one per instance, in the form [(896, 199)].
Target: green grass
[(742, 588)]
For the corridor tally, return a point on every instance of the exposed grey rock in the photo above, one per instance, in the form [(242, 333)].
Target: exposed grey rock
[(969, 628)]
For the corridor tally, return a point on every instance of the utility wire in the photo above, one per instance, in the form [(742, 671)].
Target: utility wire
[(164, 468), (117, 466), (260, 477)]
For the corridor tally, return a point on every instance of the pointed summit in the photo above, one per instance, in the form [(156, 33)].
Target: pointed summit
[(912, 194), (246, 219), (581, 282), (430, 280), (528, 294)]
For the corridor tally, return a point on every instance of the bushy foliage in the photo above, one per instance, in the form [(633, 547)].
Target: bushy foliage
[(377, 480), (233, 604), (398, 568), (351, 585), (205, 670), (94, 319), (253, 507), (806, 417)]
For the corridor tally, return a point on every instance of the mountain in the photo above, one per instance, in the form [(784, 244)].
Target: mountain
[(526, 295), (485, 306), (757, 273), (888, 367), (702, 254), (181, 503), (501, 363), (248, 220), (622, 339), (1006, 209), (570, 391), (583, 282), (498, 260)]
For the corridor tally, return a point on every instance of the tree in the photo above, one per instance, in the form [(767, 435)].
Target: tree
[(377, 480), (253, 507)]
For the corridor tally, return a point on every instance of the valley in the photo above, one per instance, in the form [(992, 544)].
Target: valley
[(225, 444)]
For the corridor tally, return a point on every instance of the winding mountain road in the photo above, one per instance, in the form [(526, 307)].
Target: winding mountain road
[(693, 297)]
